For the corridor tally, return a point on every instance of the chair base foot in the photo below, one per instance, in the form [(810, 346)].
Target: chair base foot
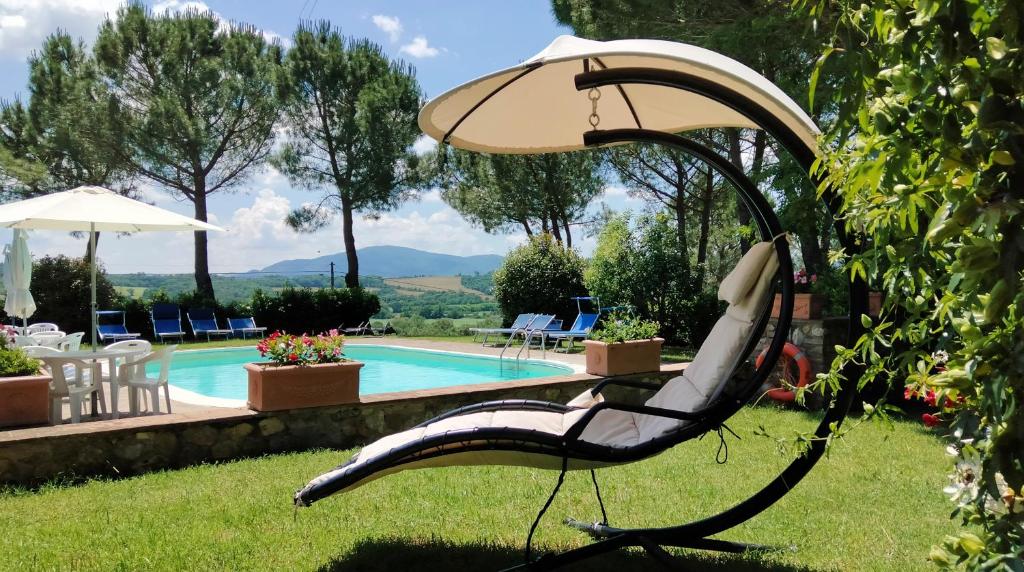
[(655, 549)]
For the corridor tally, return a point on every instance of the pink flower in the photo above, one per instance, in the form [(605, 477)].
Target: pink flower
[(930, 420), (909, 393)]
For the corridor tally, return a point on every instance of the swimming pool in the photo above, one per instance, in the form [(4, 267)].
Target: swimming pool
[(217, 375)]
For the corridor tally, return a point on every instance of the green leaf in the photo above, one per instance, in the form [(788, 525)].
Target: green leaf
[(996, 48), (815, 74), (865, 320), (1003, 158)]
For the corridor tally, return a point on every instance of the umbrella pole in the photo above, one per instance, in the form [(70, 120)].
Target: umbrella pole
[(92, 262)]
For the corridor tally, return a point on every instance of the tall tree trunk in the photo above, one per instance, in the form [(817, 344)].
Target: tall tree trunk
[(736, 158), (708, 197), (88, 248), (555, 230), (204, 283), (568, 233), (526, 227), (352, 273)]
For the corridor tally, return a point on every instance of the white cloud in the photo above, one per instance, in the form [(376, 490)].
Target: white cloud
[(419, 48), (424, 144), (24, 24), (390, 25)]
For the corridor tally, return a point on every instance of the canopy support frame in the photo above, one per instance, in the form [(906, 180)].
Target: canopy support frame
[(697, 534)]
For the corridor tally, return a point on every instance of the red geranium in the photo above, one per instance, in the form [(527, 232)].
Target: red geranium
[(930, 419)]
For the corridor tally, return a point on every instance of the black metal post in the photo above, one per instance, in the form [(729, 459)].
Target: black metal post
[(332, 275)]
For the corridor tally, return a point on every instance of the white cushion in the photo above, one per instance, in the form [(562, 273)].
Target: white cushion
[(735, 287)]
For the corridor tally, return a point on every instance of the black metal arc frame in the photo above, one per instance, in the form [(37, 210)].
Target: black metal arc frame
[(696, 534)]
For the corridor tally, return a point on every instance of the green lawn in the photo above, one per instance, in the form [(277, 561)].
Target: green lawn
[(876, 504)]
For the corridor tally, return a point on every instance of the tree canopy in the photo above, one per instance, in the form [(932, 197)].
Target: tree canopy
[(351, 118), (546, 193), (192, 101), (926, 154)]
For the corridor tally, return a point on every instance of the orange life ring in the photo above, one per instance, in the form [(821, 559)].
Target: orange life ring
[(791, 354)]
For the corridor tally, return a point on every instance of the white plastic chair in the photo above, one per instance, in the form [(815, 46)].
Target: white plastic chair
[(70, 342), (24, 341), (133, 374), (134, 349), (42, 327), (72, 378), (49, 339)]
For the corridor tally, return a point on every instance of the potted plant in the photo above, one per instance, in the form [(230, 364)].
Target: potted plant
[(303, 371), (624, 346), (24, 386), (807, 304)]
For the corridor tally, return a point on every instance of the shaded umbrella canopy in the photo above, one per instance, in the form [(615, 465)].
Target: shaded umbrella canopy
[(535, 107), (94, 209), (18, 277)]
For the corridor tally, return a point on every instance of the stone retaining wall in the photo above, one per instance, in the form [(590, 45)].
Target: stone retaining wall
[(136, 445)]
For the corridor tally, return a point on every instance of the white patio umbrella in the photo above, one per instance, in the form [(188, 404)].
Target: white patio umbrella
[(18, 278), (92, 210)]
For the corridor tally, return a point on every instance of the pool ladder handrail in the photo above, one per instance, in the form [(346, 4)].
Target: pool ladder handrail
[(531, 327)]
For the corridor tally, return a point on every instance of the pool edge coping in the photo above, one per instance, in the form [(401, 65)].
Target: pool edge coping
[(193, 398)]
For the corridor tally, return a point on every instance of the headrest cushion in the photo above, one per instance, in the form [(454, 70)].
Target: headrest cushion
[(735, 287)]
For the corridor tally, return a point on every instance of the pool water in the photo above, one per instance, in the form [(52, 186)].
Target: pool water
[(219, 374)]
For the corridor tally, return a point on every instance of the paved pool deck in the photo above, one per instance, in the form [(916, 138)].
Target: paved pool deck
[(194, 410)]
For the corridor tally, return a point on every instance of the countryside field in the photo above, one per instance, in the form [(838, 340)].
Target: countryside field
[(417, 285)]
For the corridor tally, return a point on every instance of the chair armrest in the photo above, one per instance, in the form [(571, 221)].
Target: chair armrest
[(502, 405), (574, 432), (625, 383)]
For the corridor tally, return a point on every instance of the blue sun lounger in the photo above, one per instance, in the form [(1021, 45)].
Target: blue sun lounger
[(521, 321), (580, 330), (204, 321), (245, 326), (166, 319), (112, 332)]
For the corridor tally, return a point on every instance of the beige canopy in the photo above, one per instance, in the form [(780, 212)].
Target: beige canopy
[(535, 107)]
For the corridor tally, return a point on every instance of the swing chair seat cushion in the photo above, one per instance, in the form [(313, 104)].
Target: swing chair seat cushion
[(420, 447)]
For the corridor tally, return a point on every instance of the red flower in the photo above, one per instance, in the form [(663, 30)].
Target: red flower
[(930, 420), (910, 393), (293, 356), (930, 398)]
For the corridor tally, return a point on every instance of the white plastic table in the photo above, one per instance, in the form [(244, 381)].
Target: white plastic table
[(111, 356)]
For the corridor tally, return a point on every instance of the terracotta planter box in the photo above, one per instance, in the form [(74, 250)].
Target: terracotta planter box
[(25, 400), (805, 306), (273, 388), (637, 356)]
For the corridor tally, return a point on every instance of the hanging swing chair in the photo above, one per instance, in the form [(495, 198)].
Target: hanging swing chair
[(579, 94)]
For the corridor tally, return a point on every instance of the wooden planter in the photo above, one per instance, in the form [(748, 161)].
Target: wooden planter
[(805, 306), (637, 356), (273, 388), (25, 400)]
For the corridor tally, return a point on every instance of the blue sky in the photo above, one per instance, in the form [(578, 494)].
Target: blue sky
[(447, 42)]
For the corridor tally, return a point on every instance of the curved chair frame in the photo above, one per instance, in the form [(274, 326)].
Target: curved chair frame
[(696, 534)]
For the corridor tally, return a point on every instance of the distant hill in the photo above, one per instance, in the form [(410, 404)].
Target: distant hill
[(392, 262)]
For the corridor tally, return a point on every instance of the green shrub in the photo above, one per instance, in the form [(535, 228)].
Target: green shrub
[(14, 361), (617, 329), (60, 288), (639, 264), (539, 277), (293, 310)]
